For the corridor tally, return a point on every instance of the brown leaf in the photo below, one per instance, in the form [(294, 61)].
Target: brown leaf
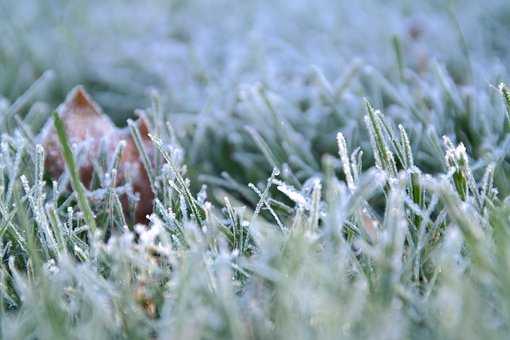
[(89, 128), (132, 169)]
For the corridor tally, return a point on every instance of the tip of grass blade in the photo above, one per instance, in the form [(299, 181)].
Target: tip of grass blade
[(505, 92)]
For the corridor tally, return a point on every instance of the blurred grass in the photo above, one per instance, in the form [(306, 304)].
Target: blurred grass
[(288, 206)]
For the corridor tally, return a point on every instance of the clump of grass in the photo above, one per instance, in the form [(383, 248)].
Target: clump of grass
[(363, 201), (381, 246)]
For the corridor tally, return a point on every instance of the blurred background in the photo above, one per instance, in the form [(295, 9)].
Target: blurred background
[(192, 51)]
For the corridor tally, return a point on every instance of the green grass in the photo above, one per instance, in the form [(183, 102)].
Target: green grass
[(74, 171), (314, 181)]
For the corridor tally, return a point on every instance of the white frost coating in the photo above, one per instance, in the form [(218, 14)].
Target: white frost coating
[(293, 194), (346, 165)]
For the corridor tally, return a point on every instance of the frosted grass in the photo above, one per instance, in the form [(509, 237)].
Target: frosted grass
[(325, 215)]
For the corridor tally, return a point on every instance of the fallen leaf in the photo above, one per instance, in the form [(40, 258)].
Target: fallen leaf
[(89, 129)]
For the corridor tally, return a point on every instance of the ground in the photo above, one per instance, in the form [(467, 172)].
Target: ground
[(320, 169)]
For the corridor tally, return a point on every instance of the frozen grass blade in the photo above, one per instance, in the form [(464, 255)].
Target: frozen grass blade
[(383, 155), (135, 133), (313, 220), (505, 92), (263, 199), (346, 164), (74, 173), (24, 99)]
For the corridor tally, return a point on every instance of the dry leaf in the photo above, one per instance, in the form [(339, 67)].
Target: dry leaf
[(89, 128), (132, 169)]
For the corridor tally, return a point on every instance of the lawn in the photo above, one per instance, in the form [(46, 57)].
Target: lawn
[(286, 169)]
